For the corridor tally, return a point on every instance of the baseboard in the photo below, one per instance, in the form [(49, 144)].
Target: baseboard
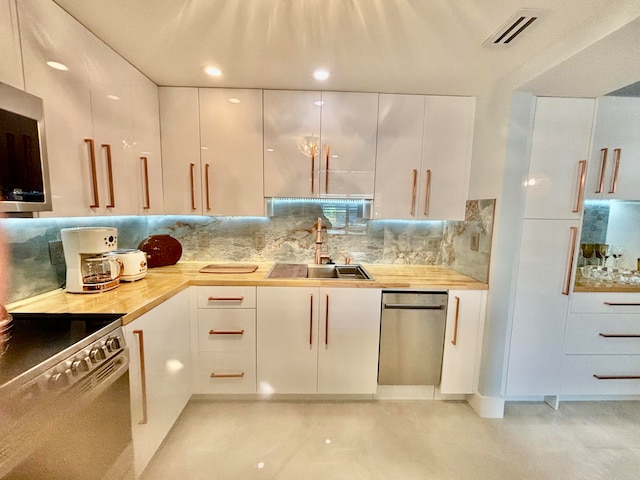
[(486, 407)]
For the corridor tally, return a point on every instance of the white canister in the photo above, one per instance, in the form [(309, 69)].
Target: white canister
[(134, 264)]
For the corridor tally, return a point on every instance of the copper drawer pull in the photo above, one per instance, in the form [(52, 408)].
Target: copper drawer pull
[(621, 304), (143, 377), (619, 335), (313, 168), (226, 299), (94, 173), (112, 200), (226, 332), (414, 190), (206, 185), (326, 178), (455, 328), (616, 169), (326, 322), (574, 237), (193, 193), (145, 170), (617, 377), (603, 166), (227, 375), (427, 194), (581, 180), (311, 320)]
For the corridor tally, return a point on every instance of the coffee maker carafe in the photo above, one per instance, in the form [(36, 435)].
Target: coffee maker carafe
[(88, 269)]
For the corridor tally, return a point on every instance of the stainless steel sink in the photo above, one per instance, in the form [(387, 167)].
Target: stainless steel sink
[(338, 272)]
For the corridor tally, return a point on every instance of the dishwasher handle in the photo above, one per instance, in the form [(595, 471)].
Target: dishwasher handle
[(411, 306)]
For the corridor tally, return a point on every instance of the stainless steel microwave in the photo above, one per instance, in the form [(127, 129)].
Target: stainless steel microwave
[(24, 169)]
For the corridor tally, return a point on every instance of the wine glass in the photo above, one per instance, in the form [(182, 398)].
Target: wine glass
[(602, 251), (587, 250), (616, 253)]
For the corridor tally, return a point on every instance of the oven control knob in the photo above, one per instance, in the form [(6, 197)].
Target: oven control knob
[(82, 365), (58, 380), (97, 354), (113, 344)]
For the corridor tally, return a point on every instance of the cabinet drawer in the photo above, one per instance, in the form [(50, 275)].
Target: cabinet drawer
[(226, 297), (578, 375), (227, 330), (614, 302), (225, 373), (616, 334)]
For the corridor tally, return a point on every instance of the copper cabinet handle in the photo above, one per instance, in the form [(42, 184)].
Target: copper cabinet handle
[(145, 170), (193, 193), (574, 236), (582, 176), (226, 332), (112, 200), (326, 178), (603, 166), (621, 304), (427, 194), (94, 172), (206, 185), (326, 322), (313, 168), (616, 169), (414, 190), (455, 328), (226, 375), (311, 319), (226, 299), (143, 377), (617, 377), (619, 335)]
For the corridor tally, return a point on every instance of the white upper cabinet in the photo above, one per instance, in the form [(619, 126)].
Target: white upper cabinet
[(319, 144), (559, 150), (423, 157), (180, 126), (614, 170), (11, 64), (231, 151)]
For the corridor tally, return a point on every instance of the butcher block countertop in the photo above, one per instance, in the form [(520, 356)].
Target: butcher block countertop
[(136, 298)]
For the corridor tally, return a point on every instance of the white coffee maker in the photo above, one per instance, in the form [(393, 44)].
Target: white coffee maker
[(89, 270)]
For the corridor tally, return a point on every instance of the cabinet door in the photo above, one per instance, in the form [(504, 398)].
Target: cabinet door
[(614, 170), (11, 65), (291, 132), (67, 100), (540, 310), (231, 151), (559, 152), (147, 160), (180, 150), (167, 369), (287, 333), (398, 157), (348, 134), (463, 341), (348, 340), (446, 157)]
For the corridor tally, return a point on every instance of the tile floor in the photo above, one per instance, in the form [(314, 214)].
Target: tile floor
[(400, 440)]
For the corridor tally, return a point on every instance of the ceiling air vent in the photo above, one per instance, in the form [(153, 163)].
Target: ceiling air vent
[(519, 22)]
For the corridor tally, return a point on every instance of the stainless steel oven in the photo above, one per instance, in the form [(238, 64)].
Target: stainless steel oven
[(67, 416)]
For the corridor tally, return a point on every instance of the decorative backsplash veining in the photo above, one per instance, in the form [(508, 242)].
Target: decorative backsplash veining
[(288, 236)]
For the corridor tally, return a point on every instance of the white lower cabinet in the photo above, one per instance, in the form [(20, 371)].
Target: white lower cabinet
[(317, 340), (224, 339), (463, 341), (159, 374)]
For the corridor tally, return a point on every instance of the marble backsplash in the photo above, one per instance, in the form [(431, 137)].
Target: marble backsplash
[(288, 236)]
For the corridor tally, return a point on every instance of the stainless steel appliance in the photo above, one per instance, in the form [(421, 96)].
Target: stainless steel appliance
[(64, 398), (89, 270), (412, 338)]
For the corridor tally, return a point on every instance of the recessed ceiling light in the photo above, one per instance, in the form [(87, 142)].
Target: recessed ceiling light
[(58, 66), (321, 74), (269, 149), (213, 71), (234, 100), (113, 97), (319, 103)]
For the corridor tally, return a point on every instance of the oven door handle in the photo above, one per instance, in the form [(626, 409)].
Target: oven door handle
[(143, 377)]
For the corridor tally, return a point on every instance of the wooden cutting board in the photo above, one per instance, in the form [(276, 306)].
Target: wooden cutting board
[(229, 268)]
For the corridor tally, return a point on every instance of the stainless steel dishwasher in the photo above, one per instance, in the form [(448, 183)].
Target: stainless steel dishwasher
[(412, 338)]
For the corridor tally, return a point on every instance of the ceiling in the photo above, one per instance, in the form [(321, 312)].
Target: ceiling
[(402, 46)]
